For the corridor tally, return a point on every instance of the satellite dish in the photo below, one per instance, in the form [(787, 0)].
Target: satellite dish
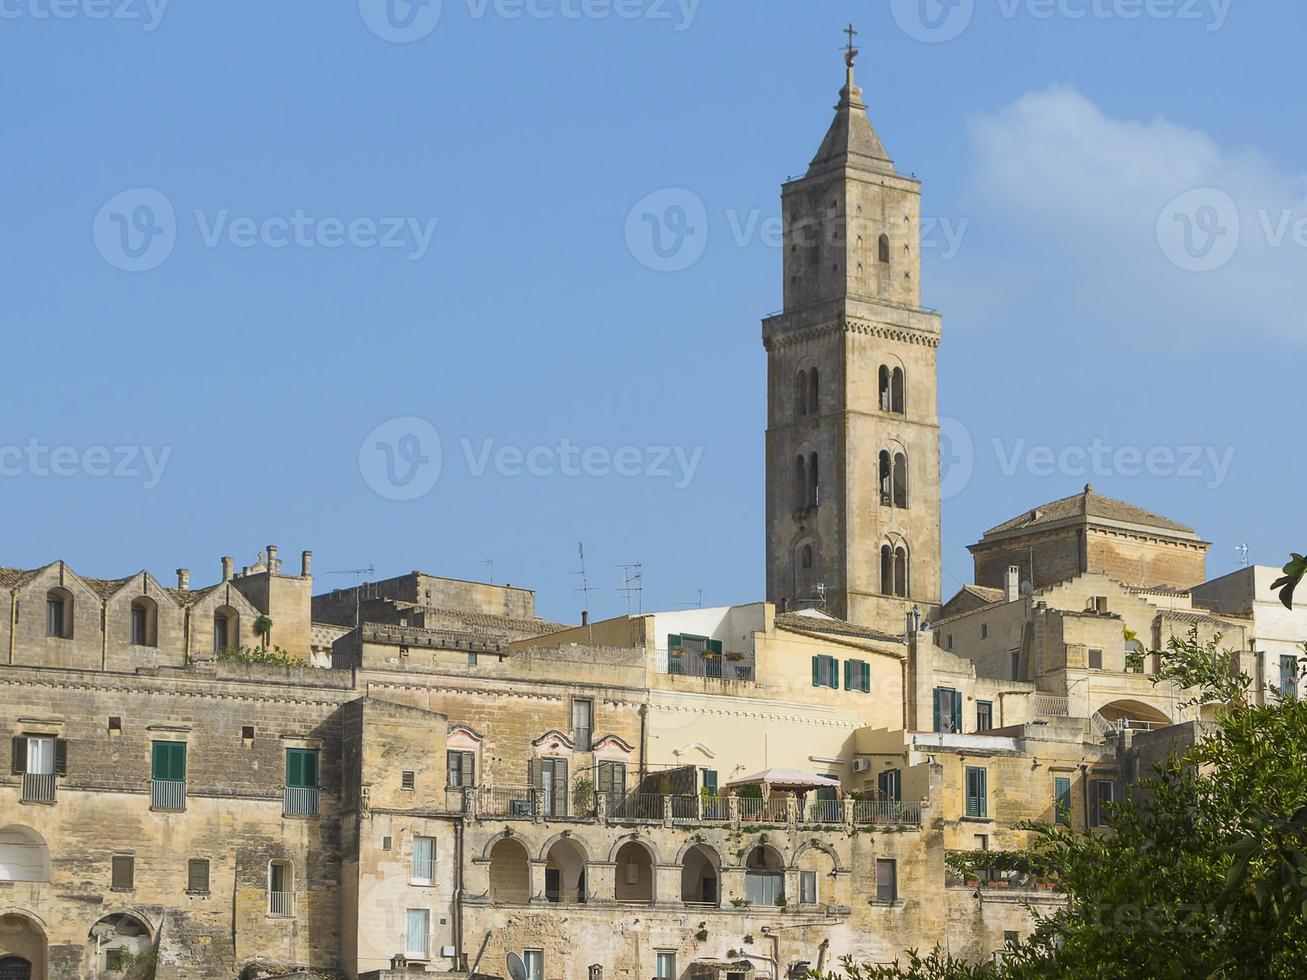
[(516, 968)]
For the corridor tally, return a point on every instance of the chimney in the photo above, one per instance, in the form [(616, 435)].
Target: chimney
[(306, 564), (585, 617), (274, 566), (184, 579), (784, 605), (228, 565), (1012, 585)]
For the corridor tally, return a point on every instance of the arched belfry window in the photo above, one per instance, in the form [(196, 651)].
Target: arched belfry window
[(805, 556), (800, 482), (898, 397), (813, 400), (814, 485), (900, 480), (886, 479), (894, 570), (901, 571), (801, 394), (884, 248)]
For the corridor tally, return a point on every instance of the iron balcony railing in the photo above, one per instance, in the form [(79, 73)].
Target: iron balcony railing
[(825, 811), (281, 904), (774, 810), (726, 667), (637, 807), (515, 802), (424, 869), (301, 801), (38, 787), (889, 812), (714, 808), (168, 794)]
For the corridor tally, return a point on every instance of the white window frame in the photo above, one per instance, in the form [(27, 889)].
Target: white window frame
[(806, 879), (659, 972), (288, 880), (424, 953), (40, 755), (416, 877), (893, 866), (538, 957)]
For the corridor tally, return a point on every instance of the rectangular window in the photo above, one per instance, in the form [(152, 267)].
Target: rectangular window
[(461, 769), (582, 723), (302, 768), (708, 777), (612, 779), (857, 676), (1062, 800), (948, 710), (764, 889), (887, 880), (984, 715), (197, 875), (407, 779), (54, 617), (115, 960), (1016, 665), (417, 942), (665, 965), (984, 631), (168, 761), (1100, 800), (977, 792), (550, 775), (534, 959), (424, 860), (40, 755), (807, 888), (889, 784), (122, 872), (1288, 676), (1095, 659), (825, 672), (281, 889), (139, 621)]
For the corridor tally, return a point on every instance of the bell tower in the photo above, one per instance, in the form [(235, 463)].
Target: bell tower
[(853, 508)]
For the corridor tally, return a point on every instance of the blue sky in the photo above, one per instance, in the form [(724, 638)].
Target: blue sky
[(368, 225)]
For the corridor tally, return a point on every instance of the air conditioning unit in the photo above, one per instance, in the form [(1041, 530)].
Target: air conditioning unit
[(862, 765)]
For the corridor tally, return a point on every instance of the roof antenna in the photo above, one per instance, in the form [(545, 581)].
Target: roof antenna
[(490, 564), (633, 582), (358, 574), (1243, 554), (585, 590)]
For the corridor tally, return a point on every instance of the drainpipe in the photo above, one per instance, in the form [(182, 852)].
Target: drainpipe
[(458, 887), (1084, 791), (644, 740)]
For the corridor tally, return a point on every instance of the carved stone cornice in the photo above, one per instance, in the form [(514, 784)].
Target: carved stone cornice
[(885, 331)]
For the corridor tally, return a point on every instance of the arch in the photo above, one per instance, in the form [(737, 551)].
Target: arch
[(814, 484), (800, 481), (886, 570), (634, 878), (510, 872), (764, 876), (22, 945), (801, 394), (59, 613), (24, 855), (886, 479), (898, 392), (145, 622), (565, 871), (701, 875), (902, 571), (817, 845), (884, 395), (805, 556), (113, 940), (901, 480), (883, 248), (814, 399), (226, 628), (621, 842), (1142, 714)]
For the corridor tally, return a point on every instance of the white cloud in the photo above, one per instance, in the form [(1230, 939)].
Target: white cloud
[(1120, 213)]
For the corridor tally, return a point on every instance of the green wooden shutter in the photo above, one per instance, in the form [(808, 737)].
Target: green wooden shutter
[(61, 757), (20, 755), (936, 726), (311, 768), (816, 671), (715, 646), (533, 778), (294, 768), (866, 678), (168, 761), (957, 712), (673, 641)]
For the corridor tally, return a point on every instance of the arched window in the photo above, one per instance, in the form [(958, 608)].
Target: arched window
[(898, 396), (700, 874), (801, 395), (884, 248), (885, 396), (805, 556), (565, 873), (23, 855), (510, 874), (900, 480), (814, 485), (226, 629), (800, 482), (814, 403), (635, 874), (116, 940), (901, 571), (886, 570), (886, 479), (145, 622), (59, 614), (764, 877)]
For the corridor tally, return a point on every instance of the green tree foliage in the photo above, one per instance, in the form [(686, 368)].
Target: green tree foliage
[(1204, 872)]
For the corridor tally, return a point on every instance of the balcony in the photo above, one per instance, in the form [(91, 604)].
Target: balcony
[(281, 905), (755, 810), (892, 813), (681, 662), (168, 795), (301, 801), (38, 787)]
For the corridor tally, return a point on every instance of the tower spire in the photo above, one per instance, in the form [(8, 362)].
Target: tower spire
[(851, 140)]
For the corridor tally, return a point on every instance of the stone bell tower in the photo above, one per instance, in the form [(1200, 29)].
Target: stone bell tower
[(853, 508)]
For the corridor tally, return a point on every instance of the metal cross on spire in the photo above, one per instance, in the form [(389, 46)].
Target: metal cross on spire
[(852, 52)]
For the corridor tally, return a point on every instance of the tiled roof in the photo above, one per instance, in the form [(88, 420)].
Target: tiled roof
[(984, 592), (1089, 505), (11, 578), (105, 587), (832, 626)]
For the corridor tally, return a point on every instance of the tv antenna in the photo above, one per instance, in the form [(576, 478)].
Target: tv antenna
[(693, 605), (358, 574), (490, 565), (1243, 554), (585, 589), (632, 583)]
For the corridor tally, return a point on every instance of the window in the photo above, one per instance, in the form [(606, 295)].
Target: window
[(417, 941), (550, 775), (708, 779), (948, 710), (984, 715), (40, 754), (226, 629), (664, 965), (1062, 800), (168, 762), (857, 676), (302, 768), (825, 672), (950, 641), (1016, 665), (387, 842), (1095, 659), (801, 394), (145, 622), (115, 723), (814, 486), (900, 480), (59, 614), (805, 556), (977, 792), (887, 880), (197, 875), (807, 888), (122, 874), (883, 248), (612, 779), (407, 779), (800, 483), (247, 733), (115, 960), (1288, 676), (813, 400), (461, 769), (889, 786), (281, 889), (1100, 801), (424, 860), (984, 631), (534, 959), (583, 710)]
